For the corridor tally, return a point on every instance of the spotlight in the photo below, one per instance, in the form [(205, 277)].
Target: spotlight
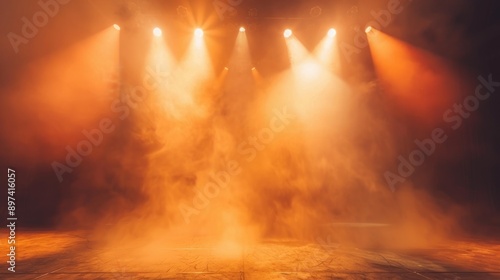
[(242, 29), (332, 32), (253, 68), (369, 29), (157, 31), (116, 26), (198, 32), (287, 33), (225, 68)]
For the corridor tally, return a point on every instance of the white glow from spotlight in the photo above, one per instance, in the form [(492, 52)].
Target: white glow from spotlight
[(327, 52), (116, 26), (332, 32), (368, 29), (242, 29), (309, 69), (297, 51), (287, 33), (198, 32), (157, 32)]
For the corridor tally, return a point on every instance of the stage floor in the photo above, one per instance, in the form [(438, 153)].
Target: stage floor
[(74, 255)]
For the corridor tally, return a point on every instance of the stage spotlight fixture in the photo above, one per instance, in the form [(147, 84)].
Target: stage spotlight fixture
[(198, 32), (157, 31), (332, 32), (368, 29), (116, 26), (242, 29), (287, 33)]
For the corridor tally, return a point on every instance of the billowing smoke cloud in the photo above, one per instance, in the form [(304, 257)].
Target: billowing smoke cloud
[(293, 155)]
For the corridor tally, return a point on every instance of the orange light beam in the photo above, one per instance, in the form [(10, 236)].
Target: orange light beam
[(422, 83)]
